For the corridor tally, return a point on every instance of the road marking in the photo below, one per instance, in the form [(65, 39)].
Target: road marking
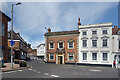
[(95, 70), (20, 70), (54, 76), (30, 69), (39, 72), (1, 73), (34, 70), (46, 73)]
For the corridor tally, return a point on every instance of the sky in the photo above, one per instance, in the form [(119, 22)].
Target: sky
[(31, 18)]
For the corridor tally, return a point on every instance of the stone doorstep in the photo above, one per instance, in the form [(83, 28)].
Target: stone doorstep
[(20, 68)]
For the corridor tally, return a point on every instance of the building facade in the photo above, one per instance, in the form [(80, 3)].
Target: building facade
[(20, 47), (32, 53), (62, 47), (41, 51), (3, 36)]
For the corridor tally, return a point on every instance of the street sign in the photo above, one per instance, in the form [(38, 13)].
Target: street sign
[(12, 42)]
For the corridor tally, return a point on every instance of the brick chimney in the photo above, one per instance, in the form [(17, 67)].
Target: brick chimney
[(79, 22), (115, 30), (49, 30)]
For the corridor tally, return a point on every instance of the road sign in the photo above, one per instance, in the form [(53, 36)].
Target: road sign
[(12, 42)]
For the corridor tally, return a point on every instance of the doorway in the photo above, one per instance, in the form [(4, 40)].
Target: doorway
[(59, 59)]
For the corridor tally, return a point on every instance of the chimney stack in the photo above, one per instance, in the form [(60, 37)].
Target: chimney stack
[(49, 30), (79, 22)]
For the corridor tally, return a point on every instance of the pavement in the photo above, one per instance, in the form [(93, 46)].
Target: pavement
[(47, 70), (15, 67)]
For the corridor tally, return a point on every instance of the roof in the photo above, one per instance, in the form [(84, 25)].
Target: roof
[(61, 33), (3, 14), (41, 44)]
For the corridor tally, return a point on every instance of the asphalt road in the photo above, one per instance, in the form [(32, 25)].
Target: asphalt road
[(47, 70)]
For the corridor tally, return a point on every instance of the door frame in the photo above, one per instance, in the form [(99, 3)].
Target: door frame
[(62, 58)]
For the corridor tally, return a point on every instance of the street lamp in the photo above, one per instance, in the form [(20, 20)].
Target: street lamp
[(12, 35)]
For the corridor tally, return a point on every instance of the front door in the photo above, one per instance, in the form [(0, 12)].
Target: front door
[(59, 59)]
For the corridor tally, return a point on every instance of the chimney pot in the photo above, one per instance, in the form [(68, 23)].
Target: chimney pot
[(49, 30), (79, 21)]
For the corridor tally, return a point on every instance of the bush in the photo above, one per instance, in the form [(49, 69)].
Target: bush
[(16, 61), (23, 64)]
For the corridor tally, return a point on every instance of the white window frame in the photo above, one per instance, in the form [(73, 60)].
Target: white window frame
[(102, 42), (106, 30), (86, 57), (69, 47), (3, 29), (94, 30), (86, 43), (92, 56), (53, 46), (73, 57), (107, 57), (96, 43), (53, 56), (63, 45), (83, 32)]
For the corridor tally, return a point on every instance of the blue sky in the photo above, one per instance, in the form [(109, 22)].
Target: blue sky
[(30, 18)]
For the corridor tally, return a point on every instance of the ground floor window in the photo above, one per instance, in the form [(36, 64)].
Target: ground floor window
[(70, 57), (94, 56), (84, 56), (51, 56), (105, 56)]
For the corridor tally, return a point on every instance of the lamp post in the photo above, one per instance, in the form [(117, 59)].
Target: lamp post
[(12, 35), (46, 45)]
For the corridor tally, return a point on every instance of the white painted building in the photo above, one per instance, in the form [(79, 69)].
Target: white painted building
[(96, 44), (41, 51)]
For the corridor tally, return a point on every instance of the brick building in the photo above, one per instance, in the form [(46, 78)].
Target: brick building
[(62, 47), (3, 36), (20, 47), (32, 53)]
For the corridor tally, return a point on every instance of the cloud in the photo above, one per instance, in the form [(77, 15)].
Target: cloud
[(30, 18)]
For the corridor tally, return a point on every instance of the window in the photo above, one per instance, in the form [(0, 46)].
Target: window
[(104, 42), (104, 31), (70, 45), (119, 44), (94, 56), (0, 28), (60, 45), (84, 43), (94, 32), (51, 45), (94, 43), (105, 57), (51, 56), (84, 33), (84, 56), (70, 57)]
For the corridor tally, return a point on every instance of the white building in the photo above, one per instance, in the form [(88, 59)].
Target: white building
[(96, 44), (41, 51)]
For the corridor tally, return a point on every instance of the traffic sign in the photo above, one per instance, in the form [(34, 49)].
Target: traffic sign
[(12, 42)]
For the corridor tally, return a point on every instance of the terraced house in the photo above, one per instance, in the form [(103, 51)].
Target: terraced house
[(62, 47), (20, 47)]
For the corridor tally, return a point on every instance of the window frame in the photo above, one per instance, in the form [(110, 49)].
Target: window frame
[(72, 45), (94, 42), (59, 45), (103, 45), (84, 43), (96, 56), (103, 57), (83, 56), (72, 56), (50, 56), (84, 32), (104, 30), (93, 31), (50, 46)]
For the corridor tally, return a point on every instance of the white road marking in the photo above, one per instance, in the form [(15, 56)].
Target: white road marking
[(54, 75), (39, 72), (20, 70), (46, 73), (95, 70), (34, 70), (30, 69), (1, 73)]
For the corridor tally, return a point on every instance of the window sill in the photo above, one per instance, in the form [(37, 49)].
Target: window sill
[(94, 61), (84, 60), (70, 48), (105, 61), (105, 47), (94, 47), (51, 48)]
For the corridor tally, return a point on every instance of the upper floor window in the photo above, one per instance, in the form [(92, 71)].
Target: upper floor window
[(84, 56), (51, 45), (104, 42), (51, 56), (94, 56), (70, 57), (119, 44), (105, 56), (3, 29), (94, 43), (94, 32), (61, 45), (84, 32), (84, 43), (70, 45), (104, 31)]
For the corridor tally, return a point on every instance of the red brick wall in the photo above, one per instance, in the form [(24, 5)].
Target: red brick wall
[(65, 38)]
